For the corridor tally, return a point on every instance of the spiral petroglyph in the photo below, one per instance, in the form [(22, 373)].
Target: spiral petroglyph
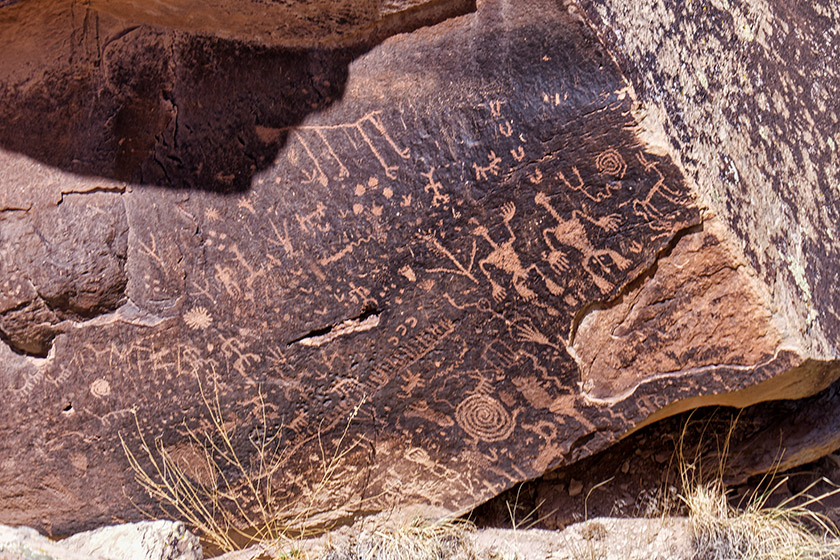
[(100, 388), (484, 418), (610, 162)]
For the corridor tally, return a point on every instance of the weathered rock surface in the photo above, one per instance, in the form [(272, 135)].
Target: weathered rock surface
[(742, 95), (24, 543), (659, 538), (466, 232), (146, 540)]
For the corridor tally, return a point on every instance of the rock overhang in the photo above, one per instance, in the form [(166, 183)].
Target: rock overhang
[(479, 246)]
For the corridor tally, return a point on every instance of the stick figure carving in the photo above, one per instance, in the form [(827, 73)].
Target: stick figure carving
[(503, 257)]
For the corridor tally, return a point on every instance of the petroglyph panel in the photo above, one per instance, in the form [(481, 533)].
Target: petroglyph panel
[(410, 281)]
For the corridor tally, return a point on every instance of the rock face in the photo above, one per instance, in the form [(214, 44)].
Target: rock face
[(742, 93), (453, 260), (147, 540)]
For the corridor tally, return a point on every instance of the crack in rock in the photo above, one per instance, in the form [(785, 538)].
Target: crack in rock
[(367, 320), (688, 314)]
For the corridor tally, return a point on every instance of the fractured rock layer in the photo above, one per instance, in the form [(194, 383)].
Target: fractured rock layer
[(693, 314)]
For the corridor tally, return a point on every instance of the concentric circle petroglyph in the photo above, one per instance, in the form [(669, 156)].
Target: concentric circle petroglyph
[(484, 418), (100, 388), (610, 162)]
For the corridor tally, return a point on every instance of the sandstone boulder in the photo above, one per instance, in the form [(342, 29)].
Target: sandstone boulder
[(742, 96), (147, 540), (428, 269)]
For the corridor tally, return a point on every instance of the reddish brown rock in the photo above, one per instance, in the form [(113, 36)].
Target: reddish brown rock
[(295, 24), (463, 239), (693, 313)]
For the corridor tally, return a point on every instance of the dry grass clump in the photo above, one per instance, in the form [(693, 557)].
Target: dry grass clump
[(787, 531), (790, 530), (419, 540), (230, 502)]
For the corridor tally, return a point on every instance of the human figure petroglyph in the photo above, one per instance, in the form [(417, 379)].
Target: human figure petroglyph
[(504, 257), (411, 380), (435, 187), (323, 133), (554, 99), (496, 107), (253, 274), (482, 172), (572, 232), (311, 220)]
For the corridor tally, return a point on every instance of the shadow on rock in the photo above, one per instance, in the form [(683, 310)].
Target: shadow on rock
[(94, 95)]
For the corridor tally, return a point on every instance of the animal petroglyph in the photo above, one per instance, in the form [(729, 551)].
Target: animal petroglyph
[(434, 187), (646, 208), (359, 134), (482, 172), (598, 196)]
